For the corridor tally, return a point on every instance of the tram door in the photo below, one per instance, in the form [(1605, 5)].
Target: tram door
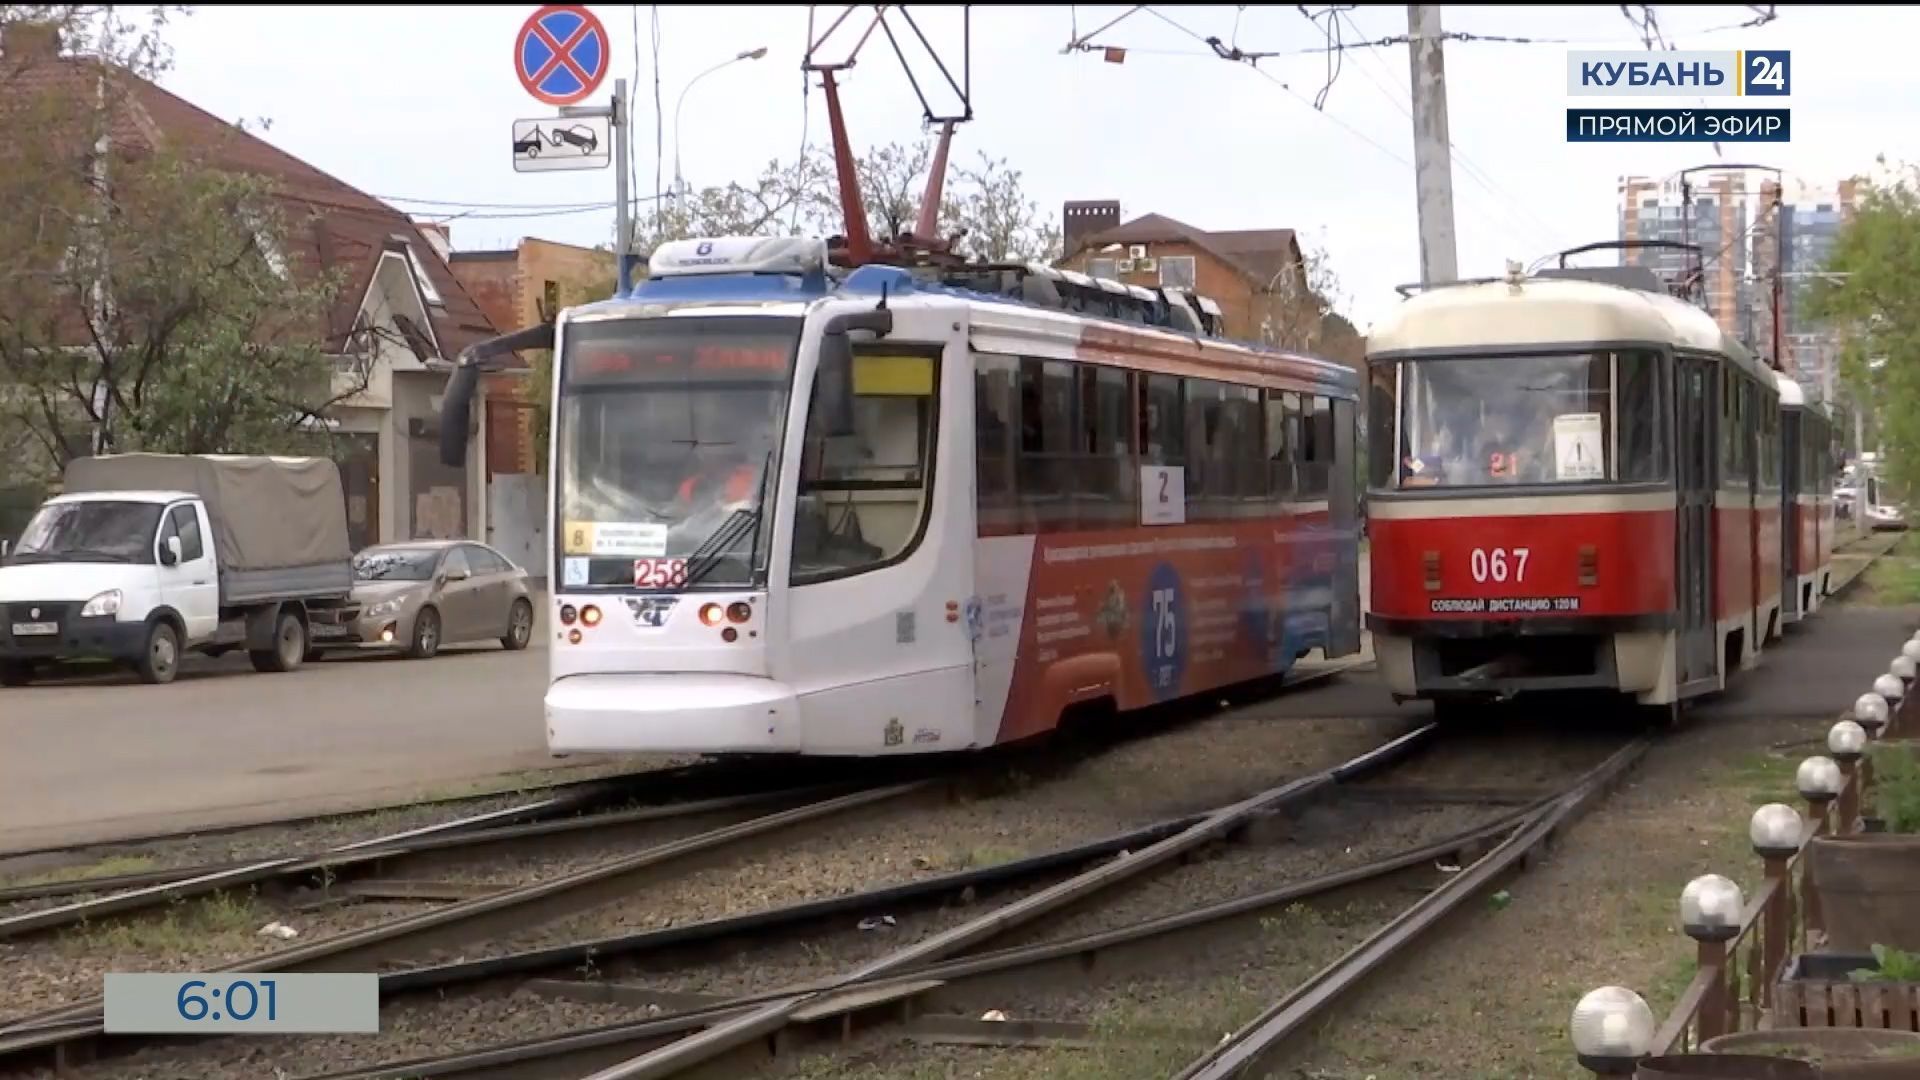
[(1693, 525)]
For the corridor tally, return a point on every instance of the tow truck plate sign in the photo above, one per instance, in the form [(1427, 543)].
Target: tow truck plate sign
[(1504, 605)]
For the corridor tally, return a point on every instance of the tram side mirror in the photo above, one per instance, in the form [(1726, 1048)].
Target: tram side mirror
[(456, 407), (833, 387)]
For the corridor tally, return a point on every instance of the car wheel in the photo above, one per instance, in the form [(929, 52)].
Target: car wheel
[(289, 646), (519, 627), (16, 673), (159, 660), (426, 635)]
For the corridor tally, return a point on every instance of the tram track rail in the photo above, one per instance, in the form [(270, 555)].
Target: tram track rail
[(651, 787), (536, 795), (339, 868), (72, 1033), (726, 1037)]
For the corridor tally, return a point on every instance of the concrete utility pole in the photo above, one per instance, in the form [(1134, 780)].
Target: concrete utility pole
[(1432, 154)]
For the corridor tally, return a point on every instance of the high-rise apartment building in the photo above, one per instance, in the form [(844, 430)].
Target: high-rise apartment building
[(1716, 222), (1741, 236), (1801, 238)]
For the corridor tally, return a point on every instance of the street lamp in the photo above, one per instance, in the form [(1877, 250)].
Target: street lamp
[(679, 182)]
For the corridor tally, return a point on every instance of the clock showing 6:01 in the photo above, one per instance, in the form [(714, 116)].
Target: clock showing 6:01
[(267, 1003)]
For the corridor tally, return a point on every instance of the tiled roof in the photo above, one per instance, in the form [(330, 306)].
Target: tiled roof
[(1258, 253), (332, 223)]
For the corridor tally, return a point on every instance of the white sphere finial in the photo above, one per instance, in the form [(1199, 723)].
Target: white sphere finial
[(1612, 1026), (1775, 830), (1871, 711), (1710, 908), (1819, 778), (1847, 740), (1903, 667), (1889, 687), (1911, 650)]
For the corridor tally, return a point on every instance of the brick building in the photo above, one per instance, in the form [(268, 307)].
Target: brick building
[(1257, 276), (518, 287)]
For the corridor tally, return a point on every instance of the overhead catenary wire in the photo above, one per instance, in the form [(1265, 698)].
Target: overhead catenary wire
[(1085, 43)]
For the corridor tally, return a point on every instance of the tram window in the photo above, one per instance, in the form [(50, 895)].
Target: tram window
[(1162, 421), (1316, 448), (864, 497), (1206, 438), (1382, 408), (1279, 444), (1498, 421), (1736, 435), (1248, 478), (1046, 429), (995, 417), (1104, 467), (1769, 444), (1642, 411)]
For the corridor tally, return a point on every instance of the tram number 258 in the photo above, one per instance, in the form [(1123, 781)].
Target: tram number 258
[(1498, 564)]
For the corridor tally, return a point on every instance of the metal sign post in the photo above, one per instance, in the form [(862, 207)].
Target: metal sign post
[(561, 55), (616, 116)]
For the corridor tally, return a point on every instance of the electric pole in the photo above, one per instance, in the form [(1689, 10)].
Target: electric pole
[(1432, 154)]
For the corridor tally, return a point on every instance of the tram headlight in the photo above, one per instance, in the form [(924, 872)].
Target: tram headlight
[(568, 614), (590, 615), (711, 614), (739, 611)]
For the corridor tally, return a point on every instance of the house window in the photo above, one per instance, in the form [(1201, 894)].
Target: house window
[(426, 283), (1176, 271), (1102, 268)]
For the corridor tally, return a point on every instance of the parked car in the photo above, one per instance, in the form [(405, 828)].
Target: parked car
[(419, 595)]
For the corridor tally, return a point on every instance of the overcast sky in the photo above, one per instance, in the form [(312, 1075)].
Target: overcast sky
[(412, 103)]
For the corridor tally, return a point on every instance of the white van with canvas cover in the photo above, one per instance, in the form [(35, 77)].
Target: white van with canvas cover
[(146, 556)]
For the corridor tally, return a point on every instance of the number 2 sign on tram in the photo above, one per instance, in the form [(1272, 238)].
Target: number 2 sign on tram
[(561, 54)]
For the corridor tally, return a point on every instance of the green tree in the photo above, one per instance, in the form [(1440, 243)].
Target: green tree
[(1871, 294), (148, 301)]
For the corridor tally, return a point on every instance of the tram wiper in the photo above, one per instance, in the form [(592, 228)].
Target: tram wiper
[(707, 555)]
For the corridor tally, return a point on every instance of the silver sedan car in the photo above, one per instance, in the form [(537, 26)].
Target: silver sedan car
[(421, 594)]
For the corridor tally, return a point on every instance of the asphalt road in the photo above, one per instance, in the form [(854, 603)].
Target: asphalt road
[(84, 759)]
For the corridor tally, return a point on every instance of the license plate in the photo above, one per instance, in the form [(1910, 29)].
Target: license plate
[(659, 573), (30, 629)]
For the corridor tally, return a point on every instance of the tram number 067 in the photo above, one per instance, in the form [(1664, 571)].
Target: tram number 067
[(1498, 564)]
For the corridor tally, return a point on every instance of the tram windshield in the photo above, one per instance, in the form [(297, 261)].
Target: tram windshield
[(1529, 420), (667, 434)]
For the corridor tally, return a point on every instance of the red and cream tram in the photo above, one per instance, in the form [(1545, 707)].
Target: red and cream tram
[(1579, 485), (1806, 502)]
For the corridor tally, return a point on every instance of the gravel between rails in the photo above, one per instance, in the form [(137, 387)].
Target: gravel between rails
[(1196, 999), (201, 933), (1226, 872), (1186, 770), (425, 1028), (1190, 768)]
